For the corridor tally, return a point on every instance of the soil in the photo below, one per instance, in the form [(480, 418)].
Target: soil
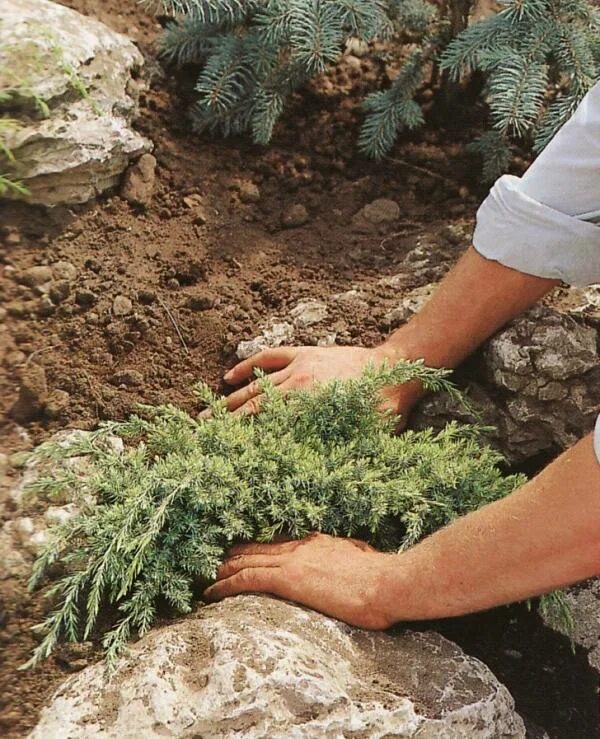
[(203, 269)]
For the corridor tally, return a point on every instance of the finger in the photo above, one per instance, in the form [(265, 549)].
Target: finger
[(244, 394), (268, 359), (254, 580), (278, 547), (250, 408), (246, 562)]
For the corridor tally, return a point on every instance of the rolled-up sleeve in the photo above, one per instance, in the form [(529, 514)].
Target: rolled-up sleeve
[(547, 223)]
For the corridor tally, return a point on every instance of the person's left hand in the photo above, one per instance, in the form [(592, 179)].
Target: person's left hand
[(343, 578)]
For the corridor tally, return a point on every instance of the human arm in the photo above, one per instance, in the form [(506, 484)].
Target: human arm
[(531, 233), (474, 300), (544, 535)]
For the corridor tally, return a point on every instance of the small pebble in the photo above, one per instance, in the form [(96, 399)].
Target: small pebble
[(295, 216), (85, 298), (122, 306)]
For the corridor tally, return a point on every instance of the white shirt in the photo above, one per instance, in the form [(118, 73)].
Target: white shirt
[(546, 223)]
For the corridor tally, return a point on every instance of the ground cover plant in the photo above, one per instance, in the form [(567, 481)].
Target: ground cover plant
[(255, 54), (168, 508)]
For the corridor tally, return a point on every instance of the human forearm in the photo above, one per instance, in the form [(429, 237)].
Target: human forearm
[(474, 300), (541, 537)]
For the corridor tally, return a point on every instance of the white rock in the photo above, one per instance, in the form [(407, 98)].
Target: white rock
[(409, 305), (255, 667), (275, 335), (23, 528), (122, 306), (584, 602), (56, 515), (327, 340), (86, 141), (37, 542), (308, 312)]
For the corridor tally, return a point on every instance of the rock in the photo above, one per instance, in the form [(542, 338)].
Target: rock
[(122, 306), (56, 515), (262, 668), (584, 602), (59, 291), (127, 377), (195, 203), (248, 192), (45, 307), (537, 382), (85, 141), (20, 308), (380, 212), (138, 183), (295, 216), (308, 312), (409, 305), (64, 271), (86, 298), (35, 276), (276, 335), (200, 302), (11, 236), (352, 299)]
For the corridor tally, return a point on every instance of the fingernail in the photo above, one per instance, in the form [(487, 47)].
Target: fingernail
[(228, 375)]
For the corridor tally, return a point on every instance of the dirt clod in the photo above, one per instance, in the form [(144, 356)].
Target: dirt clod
[(295, 216)]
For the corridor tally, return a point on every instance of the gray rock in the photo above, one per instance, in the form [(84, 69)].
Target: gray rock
[(256, 667), (59, 291), (537, 382), (275, 335), (295, 216), (86, 298), (248, 191), (122, 306), (35, 276), (138, 183), (409, 305), (129, 377), (380, 213), (584, 602), (64, 271), (308, 312), (82, 141)]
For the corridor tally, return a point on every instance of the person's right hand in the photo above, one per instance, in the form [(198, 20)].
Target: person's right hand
[(302, 367)]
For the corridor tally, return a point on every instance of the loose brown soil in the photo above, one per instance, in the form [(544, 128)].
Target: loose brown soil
[(204, 273)]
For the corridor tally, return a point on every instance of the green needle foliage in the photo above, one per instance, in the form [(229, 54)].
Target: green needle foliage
[(255, 53), (185, 489), (528, 48)]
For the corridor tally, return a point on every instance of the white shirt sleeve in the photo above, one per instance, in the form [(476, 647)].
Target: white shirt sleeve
[(546, 223)]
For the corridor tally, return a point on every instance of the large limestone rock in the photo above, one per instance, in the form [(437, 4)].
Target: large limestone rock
[(73, 98), (257, 667), (584, 603), (537, 382), (25, 518)]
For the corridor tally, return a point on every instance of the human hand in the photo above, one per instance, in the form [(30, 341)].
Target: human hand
[(343, 578), (301, 367)]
